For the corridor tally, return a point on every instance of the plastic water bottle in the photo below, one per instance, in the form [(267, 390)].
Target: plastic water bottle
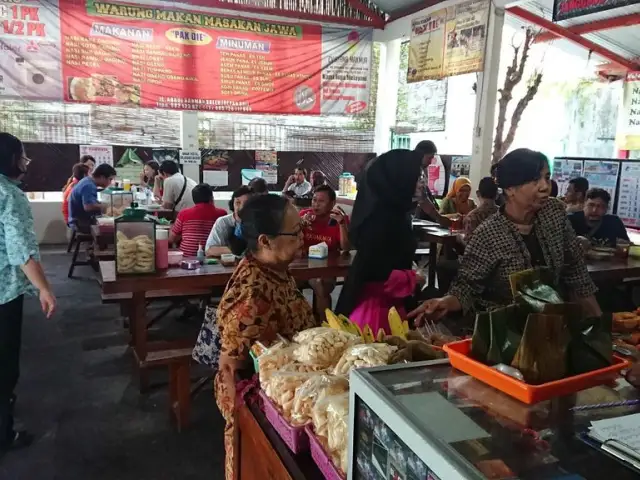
[(147, 195), (200, 254)]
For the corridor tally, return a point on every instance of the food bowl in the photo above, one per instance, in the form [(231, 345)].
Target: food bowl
[(228, 259), (175, 257)]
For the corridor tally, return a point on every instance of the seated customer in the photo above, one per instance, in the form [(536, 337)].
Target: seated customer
[(324, 222), (297, 183), (576, 192), (259, 185), (487, 193), (193, 225), (79, 171), (595, 224), (176, 188), (260, 301), (83, 200), (457, 200), (224, 228)]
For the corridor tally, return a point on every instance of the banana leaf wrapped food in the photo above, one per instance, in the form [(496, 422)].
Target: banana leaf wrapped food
[(540, 334)]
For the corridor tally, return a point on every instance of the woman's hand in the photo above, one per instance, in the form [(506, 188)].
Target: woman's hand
[(434, 309), (47, 302)]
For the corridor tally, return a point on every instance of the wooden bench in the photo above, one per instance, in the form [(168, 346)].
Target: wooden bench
[(175, 296), (178, 361)]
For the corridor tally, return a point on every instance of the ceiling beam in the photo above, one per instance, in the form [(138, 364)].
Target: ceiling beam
[(405, 12), (573, 37), (597, 26), (292, 14), (367, 12)]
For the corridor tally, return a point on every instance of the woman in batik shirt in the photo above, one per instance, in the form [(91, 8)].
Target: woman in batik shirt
[(530, 230), (260, 301)]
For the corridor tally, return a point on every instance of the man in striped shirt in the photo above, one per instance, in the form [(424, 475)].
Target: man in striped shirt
[(193, 224)]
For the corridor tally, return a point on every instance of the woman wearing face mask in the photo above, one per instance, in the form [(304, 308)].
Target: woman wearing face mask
[(457, 200), (20, 272), (260, 301), (530, 230), (381, 274)]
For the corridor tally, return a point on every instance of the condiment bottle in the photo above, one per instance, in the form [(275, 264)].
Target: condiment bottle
[(200, 254), (162, 249)]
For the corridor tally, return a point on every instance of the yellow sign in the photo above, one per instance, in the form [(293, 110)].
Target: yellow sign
[(449, 41), (628, 132)]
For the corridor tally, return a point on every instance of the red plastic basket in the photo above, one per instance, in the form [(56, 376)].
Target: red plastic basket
[(530, 394), (321, 459), (294, 437)]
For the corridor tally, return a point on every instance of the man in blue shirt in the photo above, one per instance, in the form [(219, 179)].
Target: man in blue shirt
[(83, 201), (595, 224), (20, 274)]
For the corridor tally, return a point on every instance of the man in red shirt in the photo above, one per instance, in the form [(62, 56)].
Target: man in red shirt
[(329, 224), (193, 224)]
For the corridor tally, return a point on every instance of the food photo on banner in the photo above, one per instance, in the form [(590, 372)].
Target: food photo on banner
[(129, 161), (223, 168), (135, 54)]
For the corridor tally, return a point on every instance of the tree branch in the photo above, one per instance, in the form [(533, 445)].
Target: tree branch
[(532, 89)]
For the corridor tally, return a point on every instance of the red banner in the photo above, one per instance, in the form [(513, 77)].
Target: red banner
[(138, 55)]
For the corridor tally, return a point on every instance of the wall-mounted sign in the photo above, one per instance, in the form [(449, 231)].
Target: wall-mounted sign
[(628, 131), (565, 9)]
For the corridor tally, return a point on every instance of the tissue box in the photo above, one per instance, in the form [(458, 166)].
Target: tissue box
[(319, 251)]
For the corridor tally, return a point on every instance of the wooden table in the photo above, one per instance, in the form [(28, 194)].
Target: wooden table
[(614, 270), (434, 234), (207, 276)]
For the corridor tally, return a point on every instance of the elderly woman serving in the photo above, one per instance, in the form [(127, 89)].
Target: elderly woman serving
[(530, 230), (261, 299)]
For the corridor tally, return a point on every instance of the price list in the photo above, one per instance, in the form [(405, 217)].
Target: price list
[(629, 196)]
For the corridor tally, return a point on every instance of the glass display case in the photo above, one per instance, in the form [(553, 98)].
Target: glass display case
[(116, 199), (135, 242), (426, 420)]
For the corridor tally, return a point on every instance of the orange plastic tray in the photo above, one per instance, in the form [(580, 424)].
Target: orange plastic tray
[(459, 358)]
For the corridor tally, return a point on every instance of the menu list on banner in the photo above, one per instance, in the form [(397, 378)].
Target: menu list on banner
[(447, 42), (628, 130), (101, 153), (602, 174), (629, 194), (565, 170), (134, 54)]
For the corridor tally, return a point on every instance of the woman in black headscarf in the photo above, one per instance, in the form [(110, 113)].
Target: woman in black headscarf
[(381, 274)]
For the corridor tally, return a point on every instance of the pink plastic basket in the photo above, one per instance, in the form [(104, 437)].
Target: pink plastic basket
[(321, 459), (294, 437)]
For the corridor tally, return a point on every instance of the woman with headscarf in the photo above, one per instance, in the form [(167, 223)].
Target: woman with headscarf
[(457, 200), (381, 274)]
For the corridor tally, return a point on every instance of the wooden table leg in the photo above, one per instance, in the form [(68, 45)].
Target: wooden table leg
[(433, 259), (138, 327)]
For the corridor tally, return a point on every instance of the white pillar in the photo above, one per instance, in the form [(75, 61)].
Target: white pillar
[(486, 96), (189, 141), (387, 98)]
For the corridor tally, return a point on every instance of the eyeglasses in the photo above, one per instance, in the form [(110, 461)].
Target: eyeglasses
[(290, 234), (25, 159)]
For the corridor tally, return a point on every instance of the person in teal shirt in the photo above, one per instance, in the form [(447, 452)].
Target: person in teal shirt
[(20, 274)]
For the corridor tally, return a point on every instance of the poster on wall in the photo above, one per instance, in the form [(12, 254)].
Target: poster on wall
[(215, 167), (101, 153), (437, 177), (602, 174), (628, 131), (448, 42), (565, 9), (460, 167), (30, 61), (131, 53), (565, 170), (629, 194), (267, 163)]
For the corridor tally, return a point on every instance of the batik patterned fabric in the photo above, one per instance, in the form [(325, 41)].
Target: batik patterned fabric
[(259, 303), (18, 241)]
